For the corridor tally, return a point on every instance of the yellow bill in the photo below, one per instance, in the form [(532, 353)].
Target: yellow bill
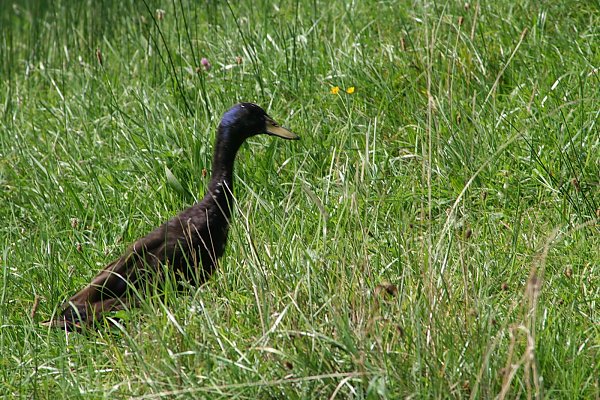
[(273, 128)]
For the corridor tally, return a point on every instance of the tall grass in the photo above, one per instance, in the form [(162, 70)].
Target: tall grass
[(434, 234)]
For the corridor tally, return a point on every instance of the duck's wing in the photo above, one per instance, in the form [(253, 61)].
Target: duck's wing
[(187, 243), (113, 287)]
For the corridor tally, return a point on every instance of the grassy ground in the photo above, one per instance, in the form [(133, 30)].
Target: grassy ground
[(434, 234)]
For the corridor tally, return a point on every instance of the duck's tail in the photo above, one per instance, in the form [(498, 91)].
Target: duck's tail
[(107, 292)]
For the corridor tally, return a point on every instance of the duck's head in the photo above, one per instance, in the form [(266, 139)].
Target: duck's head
[(247, 119)]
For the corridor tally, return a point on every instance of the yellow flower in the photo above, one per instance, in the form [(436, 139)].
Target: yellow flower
[(350, 90), (334, 90)]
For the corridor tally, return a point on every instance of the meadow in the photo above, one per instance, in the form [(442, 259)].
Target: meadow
[(434, 233)]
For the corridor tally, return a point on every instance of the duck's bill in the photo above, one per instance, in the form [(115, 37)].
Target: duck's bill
[(273, 128)]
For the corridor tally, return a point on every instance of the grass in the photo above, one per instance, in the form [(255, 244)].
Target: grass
[(433, 235)]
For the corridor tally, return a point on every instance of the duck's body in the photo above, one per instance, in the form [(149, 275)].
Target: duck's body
[(188, 244)]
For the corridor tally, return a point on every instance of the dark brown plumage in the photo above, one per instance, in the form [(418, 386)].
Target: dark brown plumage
[(189, 243)]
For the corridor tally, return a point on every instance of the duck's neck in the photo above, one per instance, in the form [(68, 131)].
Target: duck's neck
[(221, 182)]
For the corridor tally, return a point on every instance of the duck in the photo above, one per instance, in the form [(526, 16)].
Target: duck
[(189, 244)]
